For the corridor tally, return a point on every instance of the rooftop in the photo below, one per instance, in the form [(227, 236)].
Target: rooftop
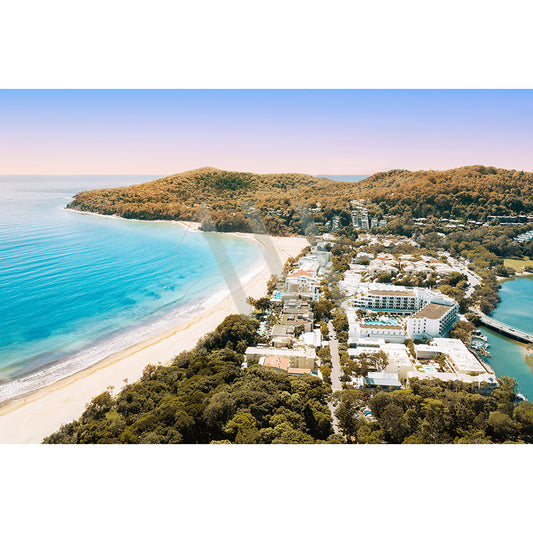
[(283, 330), (276, 361), (383, 379), (380, 326), (299, 371), (391, 293), (432, 311), (298, 273)]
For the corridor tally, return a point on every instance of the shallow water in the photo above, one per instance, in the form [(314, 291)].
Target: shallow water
[(76, 287)]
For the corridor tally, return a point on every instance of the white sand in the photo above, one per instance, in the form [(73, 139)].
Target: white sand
[(30, 419)]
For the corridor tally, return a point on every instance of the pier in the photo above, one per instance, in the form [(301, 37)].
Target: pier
[(502, 328)]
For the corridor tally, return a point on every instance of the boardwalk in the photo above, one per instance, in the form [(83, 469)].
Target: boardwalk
[(504, 329)]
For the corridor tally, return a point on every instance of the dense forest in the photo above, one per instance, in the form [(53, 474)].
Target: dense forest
[(472, 192), (285, 204), (221, 200), (436, 412), (205, 396)]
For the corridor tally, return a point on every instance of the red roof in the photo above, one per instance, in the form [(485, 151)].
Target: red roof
[(308, 273)]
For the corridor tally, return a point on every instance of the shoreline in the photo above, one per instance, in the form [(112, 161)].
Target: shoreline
[(30, 418), (111, 344)]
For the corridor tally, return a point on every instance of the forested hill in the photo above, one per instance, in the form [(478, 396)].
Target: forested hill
[(472, 192), (228, 195), (468, 192)]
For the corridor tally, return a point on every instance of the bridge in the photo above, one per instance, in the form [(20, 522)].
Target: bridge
[(502, 328)]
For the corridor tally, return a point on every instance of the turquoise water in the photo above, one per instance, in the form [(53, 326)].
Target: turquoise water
[(76, 287), (508, 358)]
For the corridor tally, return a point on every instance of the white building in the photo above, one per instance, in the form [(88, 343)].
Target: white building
[(304, 281), (396, 298), (433, 320), (387, 332), (383, 379), (399, 361), (459, 356)]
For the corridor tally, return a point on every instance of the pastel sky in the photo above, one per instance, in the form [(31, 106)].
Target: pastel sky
[(314, 131)]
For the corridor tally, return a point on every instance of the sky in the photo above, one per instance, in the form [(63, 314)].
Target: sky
[(318, 132)]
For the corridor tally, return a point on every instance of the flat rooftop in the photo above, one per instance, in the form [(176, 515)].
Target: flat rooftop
[(270, 351), (380, 326), (463, 360), (383, 379), (376, 292), (432, 311), (276, 361)]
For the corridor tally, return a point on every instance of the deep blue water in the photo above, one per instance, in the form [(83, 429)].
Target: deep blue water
[(76, 287), (509, 358)]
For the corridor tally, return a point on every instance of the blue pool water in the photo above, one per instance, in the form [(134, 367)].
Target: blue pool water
[(76, 287), (388, 321)]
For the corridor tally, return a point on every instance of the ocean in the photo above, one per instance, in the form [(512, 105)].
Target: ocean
[(76, 287), (509, 358), (345, 177)]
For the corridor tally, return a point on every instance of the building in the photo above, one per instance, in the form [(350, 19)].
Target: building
[(398, 359), (386, 332), (299, 315), (383, 379), (282, 335), (312, 338), (396, 298), (299, 357), (275, 361), (485, 383), (433, 320), (304, 282), (459, 356), (380, 266)]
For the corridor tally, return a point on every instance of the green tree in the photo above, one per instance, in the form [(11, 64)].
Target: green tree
[(243, 429)]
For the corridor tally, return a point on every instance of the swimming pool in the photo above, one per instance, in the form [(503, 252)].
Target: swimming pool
[(387, 321)]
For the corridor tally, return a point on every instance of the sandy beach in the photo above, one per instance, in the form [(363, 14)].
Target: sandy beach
[(33, 417)]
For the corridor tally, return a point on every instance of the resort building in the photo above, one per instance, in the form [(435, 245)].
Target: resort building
[(391, 298), (303, 282), (398, 359), (459, 356), (433, 320), (396, 298), (386, 332)]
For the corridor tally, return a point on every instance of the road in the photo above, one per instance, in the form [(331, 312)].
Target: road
[(473, 279), (334, 420), (335, 359)]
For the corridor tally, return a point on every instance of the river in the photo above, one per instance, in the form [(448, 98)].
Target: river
[(509, 358)]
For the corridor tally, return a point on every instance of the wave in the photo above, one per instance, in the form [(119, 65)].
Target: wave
[(114, 343)]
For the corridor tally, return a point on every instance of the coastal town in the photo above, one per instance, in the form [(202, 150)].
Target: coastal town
[(381, 322), (407, 326), (368, 319)]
